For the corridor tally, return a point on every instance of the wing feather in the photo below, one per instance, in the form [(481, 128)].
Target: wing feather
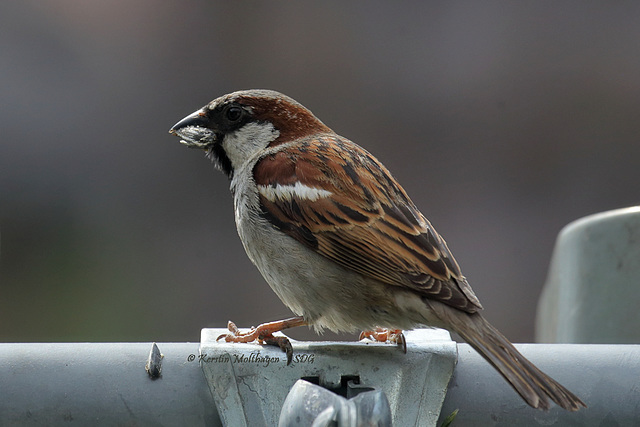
[(348, 208)]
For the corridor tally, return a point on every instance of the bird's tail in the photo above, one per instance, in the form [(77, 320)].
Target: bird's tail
[(535, 387)]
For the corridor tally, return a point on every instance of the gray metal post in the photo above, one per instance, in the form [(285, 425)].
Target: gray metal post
[(592, 293)]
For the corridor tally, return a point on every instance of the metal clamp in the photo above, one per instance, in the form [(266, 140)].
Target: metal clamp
[(250, 382)]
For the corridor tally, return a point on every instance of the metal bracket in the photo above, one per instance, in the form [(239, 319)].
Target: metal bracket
[(249, 382)]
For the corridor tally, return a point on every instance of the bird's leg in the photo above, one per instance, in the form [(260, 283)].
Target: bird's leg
[(264, 334), (386, 335)]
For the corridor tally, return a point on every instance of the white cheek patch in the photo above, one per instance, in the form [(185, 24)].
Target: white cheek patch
[(247, 141), (289, 192)]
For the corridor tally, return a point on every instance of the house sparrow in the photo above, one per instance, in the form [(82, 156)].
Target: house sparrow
[(338, 239)]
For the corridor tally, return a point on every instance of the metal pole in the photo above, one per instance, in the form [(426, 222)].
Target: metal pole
[(102, 384), (606, 377), (107, 384)]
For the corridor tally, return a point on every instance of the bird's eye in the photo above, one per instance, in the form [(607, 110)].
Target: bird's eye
[(234, 113)]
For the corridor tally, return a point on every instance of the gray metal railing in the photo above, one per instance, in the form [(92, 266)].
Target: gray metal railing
[(107, 384)]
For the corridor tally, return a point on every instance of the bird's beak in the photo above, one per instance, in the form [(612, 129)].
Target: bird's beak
[(194, 130)]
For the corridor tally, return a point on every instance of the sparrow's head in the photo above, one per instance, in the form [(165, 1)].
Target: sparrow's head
[(236, 127)]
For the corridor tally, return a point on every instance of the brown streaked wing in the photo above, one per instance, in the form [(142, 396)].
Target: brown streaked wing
[(368, 224)]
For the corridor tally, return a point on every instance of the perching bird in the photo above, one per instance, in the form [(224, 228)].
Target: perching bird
[(338, 239)]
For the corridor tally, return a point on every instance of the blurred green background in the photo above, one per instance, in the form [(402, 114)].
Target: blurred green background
[(503, 120)]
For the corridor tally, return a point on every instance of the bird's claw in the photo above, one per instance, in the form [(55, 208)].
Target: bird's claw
[(282, 342), (235, 335), (386, 335), (262, 334)]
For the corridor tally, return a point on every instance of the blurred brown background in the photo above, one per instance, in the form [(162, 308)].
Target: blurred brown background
[(504, 122)]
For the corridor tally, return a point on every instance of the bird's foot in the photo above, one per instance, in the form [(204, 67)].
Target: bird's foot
[(264, 334), (386, 335)]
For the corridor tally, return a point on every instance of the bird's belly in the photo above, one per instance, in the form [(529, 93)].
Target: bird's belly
[(324, 293)]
